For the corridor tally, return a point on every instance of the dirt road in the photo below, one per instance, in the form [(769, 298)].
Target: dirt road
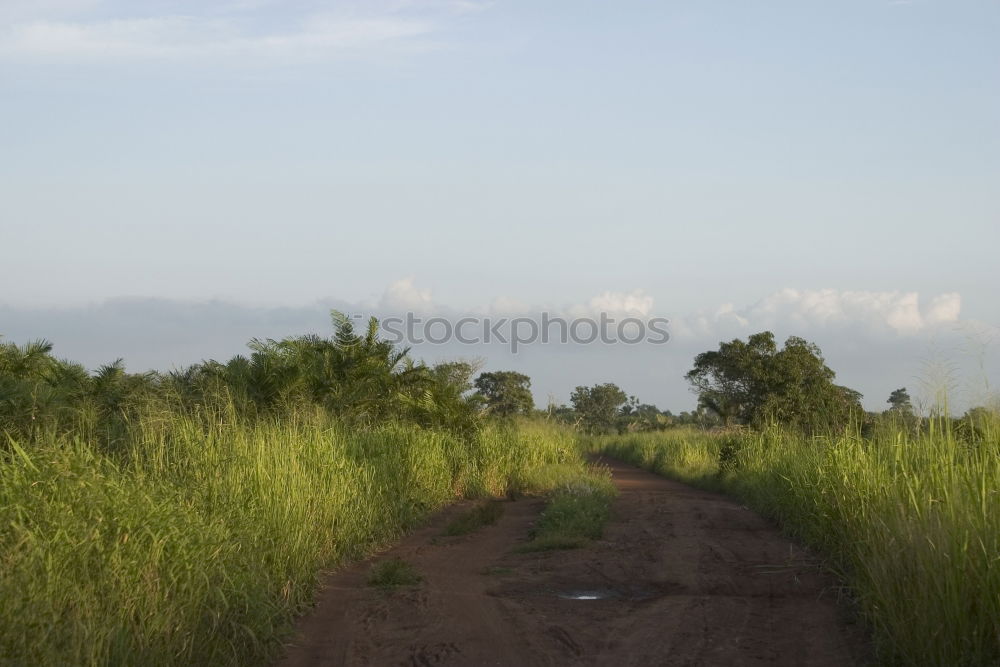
[(682, 577)]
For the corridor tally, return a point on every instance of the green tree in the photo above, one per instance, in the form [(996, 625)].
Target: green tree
[(352, 374), (899, 402), (505, 393), (599, 407), (636, 416), (754, 381)]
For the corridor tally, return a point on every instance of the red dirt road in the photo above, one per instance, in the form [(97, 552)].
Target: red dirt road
[(682, 577)]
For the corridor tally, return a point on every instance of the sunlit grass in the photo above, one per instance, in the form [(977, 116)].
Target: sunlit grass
[(200, 538)]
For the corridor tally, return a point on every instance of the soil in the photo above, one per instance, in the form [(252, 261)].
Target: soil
[(681, 577)]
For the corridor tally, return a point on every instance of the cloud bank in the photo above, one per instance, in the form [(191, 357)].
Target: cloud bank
[(894, 312), (883, 313)]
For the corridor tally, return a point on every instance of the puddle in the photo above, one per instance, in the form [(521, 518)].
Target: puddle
[(635, 593), (588, 595)]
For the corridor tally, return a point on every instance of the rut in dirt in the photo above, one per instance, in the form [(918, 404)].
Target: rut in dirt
[(682, 577)]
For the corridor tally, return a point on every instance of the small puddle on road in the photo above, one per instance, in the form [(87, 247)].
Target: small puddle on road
[(628, 593), (588, 595)]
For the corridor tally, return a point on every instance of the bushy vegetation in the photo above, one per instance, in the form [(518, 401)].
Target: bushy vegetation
[(505, 393), (183, 518), (907, 518), (750, 382), (755, 382), (359, 378)]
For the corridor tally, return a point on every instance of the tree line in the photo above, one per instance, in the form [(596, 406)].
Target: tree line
[(354, 376), (362, 379), (751, 383)]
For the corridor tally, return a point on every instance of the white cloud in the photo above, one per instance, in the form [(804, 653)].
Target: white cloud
[(634, 303), (727, 311), (240, 31), (896, 312), (803, 312), (944, 308), (185, 38), (405, 295)]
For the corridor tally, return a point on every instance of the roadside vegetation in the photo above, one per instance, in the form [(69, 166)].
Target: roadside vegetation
[(183, 518)]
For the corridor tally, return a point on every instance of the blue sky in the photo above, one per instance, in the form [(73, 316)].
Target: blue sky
[(811, 167)]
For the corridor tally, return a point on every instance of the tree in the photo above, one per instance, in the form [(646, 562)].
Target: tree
[(899, 402), (752, 382), (599, 406), (458, 374), (636, 416), (506, 393)]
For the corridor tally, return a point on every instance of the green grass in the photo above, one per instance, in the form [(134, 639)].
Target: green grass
[(199, 538), (912, 523), (485, 513), (579, 504), (393, 573)]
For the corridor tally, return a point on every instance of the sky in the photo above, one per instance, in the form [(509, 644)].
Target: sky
[(178, 177)]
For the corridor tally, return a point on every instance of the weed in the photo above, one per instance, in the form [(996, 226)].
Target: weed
[(393, 573), (484, 514), (576, 512)]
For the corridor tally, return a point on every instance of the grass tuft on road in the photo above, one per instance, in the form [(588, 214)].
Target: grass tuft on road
[(578, 507), (393, 573), (484, 514)]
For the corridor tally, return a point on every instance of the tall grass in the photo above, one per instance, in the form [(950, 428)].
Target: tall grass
[(199, 537), (912, 522)]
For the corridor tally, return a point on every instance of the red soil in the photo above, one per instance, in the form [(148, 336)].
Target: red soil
[(682, 577)]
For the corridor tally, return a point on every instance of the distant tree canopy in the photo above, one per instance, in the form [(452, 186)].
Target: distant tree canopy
[(899, 402), (752, 382), (644, 416), (598, 407), (354, 376), (505, 393)]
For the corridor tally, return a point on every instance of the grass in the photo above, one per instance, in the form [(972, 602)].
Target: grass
[(579, 504), (393, 573), (199, 538), (910, 522), (485, 513)]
